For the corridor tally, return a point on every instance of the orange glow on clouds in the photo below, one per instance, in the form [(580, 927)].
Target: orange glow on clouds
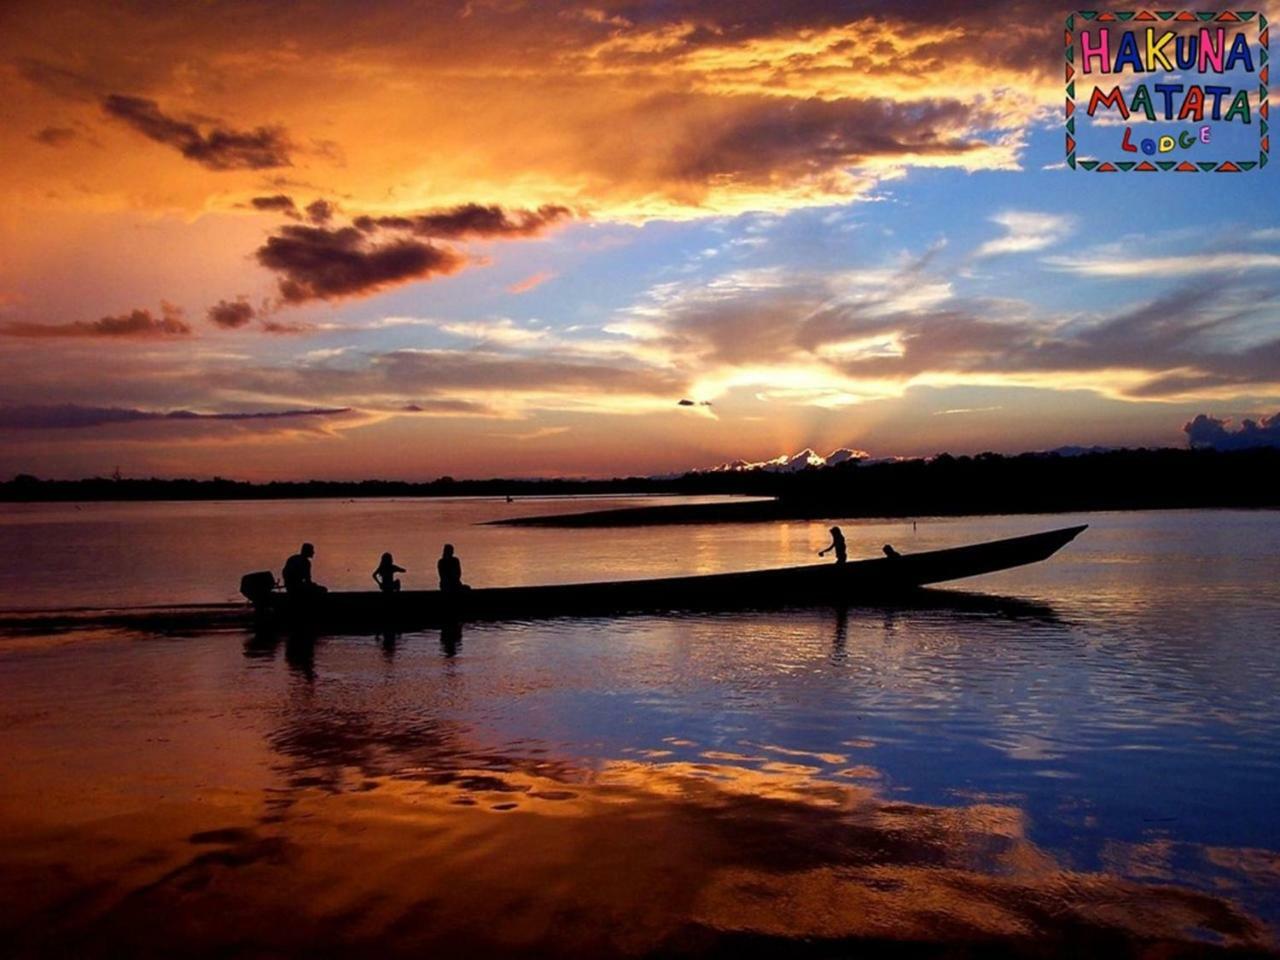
[(223, 216)]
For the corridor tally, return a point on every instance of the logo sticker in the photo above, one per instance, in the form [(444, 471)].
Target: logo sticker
[(1167, 91)]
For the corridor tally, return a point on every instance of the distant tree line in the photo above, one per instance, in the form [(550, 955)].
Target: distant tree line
[(986, 483), (1031, 483), (25, 487)]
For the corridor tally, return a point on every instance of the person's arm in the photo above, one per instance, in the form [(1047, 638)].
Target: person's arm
[(398, 569), (375, 576)]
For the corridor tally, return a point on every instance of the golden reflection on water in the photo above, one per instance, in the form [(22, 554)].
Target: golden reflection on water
[(407, 838), (634, 858), (487, 795)]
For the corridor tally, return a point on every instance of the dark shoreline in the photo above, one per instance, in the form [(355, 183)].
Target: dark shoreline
[(772, 511), (942, 486), (29, 489), (980, 486)]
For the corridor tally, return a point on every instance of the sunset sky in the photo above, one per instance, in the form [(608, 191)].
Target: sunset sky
[(319, 239)]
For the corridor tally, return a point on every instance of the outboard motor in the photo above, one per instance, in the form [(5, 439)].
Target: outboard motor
[(257, 587)]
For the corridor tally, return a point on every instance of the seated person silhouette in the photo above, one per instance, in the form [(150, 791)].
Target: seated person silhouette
[(837, 544), (450, 569), (297, 574), (385, 575), (890, 552)]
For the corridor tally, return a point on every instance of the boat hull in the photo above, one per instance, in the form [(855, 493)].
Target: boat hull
[(864, 581)]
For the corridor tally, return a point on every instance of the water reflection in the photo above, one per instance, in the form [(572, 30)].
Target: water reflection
[(752, 842), (451, 638), (838, 652), (789, 849), (299, 649), (968, 775), (300, 654)]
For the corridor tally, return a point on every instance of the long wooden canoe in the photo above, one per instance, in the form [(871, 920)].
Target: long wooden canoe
[(862, 581)]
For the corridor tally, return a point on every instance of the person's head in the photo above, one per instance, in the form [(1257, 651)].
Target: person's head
[(448, 550), (835, 532), (308, 550), (387, 560)]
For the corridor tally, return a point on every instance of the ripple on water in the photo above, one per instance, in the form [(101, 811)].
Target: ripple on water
[(1102, 760)]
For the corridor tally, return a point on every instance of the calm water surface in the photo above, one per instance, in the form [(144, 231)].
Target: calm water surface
[(1092, 767)]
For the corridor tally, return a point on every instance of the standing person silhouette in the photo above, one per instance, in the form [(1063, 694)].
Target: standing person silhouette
[(297, 574), (837, 544), (450, 569), (385, 575)]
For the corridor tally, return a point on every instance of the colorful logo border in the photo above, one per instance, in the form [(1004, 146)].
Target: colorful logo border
[(1168, 166)]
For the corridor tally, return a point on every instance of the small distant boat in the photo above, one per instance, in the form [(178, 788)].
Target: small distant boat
[(862, 581)]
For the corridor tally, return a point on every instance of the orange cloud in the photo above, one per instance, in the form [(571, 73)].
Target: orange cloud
[(531, 282), (136, 323), (720, 109)]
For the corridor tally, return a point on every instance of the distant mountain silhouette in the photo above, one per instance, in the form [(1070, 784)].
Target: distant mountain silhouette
[(804, 460)]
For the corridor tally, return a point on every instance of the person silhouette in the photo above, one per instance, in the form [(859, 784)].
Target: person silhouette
[(385, 575), (450, 569), (297, 574), (890, 552), (837, 544), (451, 638)]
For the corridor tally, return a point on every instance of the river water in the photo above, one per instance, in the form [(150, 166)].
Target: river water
[(1078, 755)]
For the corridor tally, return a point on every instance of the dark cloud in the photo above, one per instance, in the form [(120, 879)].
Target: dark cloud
[(281, 202), (964, 337), (1211, 433), (320, 212), (316, 263), (58, 80), (285, 329), (413, 371), (1175, 326), (471, 221), (449, 407), (746, 327), (1172, 338), (72, 416), (55, 136), (758, 139), (429, 376), (320, 262), (219, 149), (232, 314), (137, 323)]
